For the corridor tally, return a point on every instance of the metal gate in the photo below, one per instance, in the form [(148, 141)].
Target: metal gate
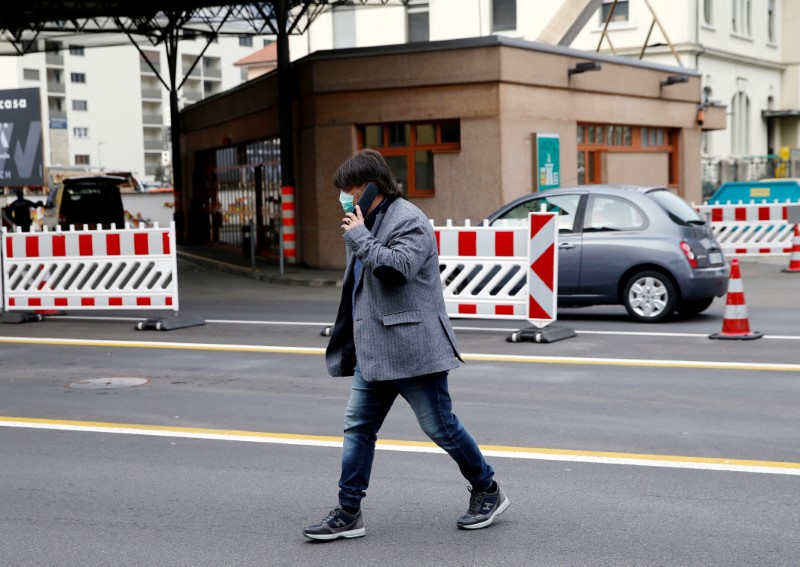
[(242, 194)]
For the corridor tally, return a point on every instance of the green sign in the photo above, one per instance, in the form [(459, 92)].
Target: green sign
[(547, 161)]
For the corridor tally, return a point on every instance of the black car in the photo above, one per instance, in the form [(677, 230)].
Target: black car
[(94, 202)]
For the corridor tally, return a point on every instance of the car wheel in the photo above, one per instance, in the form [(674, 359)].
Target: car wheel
[(649, 297), (691, 308)]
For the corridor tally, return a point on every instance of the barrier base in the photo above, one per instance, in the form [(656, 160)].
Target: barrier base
[(549, 334), (169, 324), (791, 270), (19, 317), (745, 337)]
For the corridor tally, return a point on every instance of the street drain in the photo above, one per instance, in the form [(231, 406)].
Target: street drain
[(107, 383)]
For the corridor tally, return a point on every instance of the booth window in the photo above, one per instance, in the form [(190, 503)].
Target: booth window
[(595, 140), (409, 147)]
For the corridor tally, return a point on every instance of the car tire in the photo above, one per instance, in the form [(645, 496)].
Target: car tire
[(692, 308), (649, 296)]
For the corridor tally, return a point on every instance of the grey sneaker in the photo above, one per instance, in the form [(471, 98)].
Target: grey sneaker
[(483, 507), (336, 525)]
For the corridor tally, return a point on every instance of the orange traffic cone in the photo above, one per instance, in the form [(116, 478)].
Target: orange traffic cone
[(735, 324), (794, 259)]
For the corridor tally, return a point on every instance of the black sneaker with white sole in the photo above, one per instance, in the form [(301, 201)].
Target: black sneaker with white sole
[(338, 524), (483, 507)]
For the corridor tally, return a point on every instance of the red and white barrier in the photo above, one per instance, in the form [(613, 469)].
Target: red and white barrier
[(750, 229), (131, 268), (744, 212), (489, 272)]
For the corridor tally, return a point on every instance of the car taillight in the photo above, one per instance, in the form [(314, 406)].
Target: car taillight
[(689, 253)]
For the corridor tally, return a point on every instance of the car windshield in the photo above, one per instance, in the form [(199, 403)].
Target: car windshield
[(678, 210)]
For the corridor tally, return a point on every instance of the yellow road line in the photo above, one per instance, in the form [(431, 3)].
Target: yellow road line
[(475, 357), (600, 457)]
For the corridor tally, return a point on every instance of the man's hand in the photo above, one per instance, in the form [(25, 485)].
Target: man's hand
[(353, 219)]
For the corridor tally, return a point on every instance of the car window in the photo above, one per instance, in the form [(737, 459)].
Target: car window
[(676, 208), (565, 205), (605, 213)]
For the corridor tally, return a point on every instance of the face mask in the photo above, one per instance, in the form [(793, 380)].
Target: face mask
[(346, 202)]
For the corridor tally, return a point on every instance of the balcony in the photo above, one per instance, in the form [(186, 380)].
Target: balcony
[(151, 168), (53, 58), (151, 93), (212, 72), (145, 68), (53, 87), (153, 146), (192, 96), (195, 72), (153, 120)]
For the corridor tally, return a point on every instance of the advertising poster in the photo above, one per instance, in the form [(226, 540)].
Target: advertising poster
[(20, 138), (546, 162)]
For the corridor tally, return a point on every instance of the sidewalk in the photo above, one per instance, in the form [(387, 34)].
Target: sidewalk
[(233, 262)]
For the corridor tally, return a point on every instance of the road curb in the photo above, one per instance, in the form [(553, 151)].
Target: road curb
[(258, 275)]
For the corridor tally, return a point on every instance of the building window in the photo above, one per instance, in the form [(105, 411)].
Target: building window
[(708, 12), (76, 50), (409, 149), (245, 41), (344, 27), (771, 21), (740, 124), (504, 15), (80, 132), (30, 74), (741, 16), (80, 105), (81, 159), (418, 20), (77, 77), (619, 15)]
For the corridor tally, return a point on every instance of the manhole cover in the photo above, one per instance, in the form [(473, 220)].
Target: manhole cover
[(104, 383)]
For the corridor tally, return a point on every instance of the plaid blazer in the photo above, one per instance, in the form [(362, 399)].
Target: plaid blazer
[(399, 327)]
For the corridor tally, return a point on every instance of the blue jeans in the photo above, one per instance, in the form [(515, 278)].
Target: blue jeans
[(429, 398)]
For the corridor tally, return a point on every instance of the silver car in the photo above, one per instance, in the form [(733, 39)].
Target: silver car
[(641, 247)]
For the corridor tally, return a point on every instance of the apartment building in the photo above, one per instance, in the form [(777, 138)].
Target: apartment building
[(103, 103)]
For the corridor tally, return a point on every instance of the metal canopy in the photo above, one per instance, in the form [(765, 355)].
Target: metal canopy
[(166, 22)]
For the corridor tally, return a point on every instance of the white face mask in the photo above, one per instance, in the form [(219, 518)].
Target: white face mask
[(346, 202)]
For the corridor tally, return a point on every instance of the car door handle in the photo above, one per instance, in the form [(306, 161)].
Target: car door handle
[(565, 245)]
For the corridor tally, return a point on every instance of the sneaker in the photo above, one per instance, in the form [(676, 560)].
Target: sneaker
[(483, 507), (338, 524)]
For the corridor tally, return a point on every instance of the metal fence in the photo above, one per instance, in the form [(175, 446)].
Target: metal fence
[(716, 171), (242, 193)]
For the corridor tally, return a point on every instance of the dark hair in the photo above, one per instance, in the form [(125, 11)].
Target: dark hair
[(363, 167)]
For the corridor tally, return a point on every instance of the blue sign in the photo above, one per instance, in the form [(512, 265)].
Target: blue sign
[(58, 123)]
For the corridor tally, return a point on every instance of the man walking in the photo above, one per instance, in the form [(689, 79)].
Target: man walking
[(19, 211), (393, 336)]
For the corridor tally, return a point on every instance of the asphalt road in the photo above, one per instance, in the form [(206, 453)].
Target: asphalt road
[(626, 445)]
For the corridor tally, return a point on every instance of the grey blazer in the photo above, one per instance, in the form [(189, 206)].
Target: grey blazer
[(400, 327)]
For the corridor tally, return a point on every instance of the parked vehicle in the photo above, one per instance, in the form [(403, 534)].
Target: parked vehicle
[(641, 247), (91, 201)]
